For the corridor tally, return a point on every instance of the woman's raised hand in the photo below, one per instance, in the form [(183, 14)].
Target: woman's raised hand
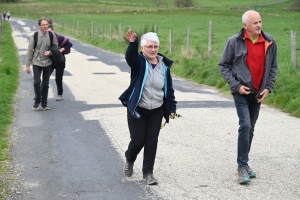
[(131, 36)]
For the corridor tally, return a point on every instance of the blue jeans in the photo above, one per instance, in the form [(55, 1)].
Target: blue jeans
[(247, 109)]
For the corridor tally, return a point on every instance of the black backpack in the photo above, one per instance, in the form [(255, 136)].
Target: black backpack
[(56, 56)]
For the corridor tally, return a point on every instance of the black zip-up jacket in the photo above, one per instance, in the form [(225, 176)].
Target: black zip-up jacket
[(139, 70), (60, 40)]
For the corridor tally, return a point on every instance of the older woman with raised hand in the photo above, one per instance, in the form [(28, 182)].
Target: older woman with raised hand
[(149, 98)]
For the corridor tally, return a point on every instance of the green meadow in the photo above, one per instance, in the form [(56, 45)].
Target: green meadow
[(9, 81), (104, 25)]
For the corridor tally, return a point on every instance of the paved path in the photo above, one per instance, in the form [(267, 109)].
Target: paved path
[(76, 150)]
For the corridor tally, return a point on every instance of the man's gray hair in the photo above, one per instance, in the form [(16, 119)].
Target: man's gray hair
[(245, 18), (149, 36)]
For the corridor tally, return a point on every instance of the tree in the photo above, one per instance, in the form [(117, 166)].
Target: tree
[(158, 2), (10, 0), (297, 5), (177, 2), (184, 3)]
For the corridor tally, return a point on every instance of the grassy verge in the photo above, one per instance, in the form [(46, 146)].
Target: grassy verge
[(198, 66), (9, 81)]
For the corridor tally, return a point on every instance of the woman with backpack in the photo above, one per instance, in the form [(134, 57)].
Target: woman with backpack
[(64, 46)]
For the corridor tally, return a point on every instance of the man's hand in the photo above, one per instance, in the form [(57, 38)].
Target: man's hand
[(131, 36), (264, 95), (244, 90), (61, 49), (28, 70), (47, 53)]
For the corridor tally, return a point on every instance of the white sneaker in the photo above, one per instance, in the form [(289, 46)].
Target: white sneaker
[(59, 98)]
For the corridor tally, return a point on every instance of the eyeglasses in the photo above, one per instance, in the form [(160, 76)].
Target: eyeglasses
[(152, 47), (44, 25)]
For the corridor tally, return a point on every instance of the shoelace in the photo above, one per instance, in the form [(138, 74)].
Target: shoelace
[(242, 168)]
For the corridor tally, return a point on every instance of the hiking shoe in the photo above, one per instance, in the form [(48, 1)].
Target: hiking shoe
[(149, 179), (128, 168), (243, 176), (250, 172), (35, 106), (59, 98), (46, 108)]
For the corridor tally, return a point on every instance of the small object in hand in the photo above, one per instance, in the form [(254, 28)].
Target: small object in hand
[(173, 115)]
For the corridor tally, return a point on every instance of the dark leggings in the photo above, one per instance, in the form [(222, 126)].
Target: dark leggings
[(144, 133), (59, 73)]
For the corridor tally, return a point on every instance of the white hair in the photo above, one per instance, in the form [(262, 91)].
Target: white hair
[(245, 18), (149, 36)]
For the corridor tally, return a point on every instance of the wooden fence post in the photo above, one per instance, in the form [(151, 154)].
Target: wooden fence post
[(73, 25), (120, 32), (97, 30), (1, 25), (110, 32), (210, 38), (92, 31), (78, 29), (170, 41), (87, 29), (102, 31), (294, 49), (188, 42)]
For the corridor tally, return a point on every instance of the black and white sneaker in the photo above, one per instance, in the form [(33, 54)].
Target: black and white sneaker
[(149, 179), (35, 106), (59, 98), (128, 168), (46, 108)]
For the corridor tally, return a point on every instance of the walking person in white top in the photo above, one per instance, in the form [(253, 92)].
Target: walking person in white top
[(8, 15)]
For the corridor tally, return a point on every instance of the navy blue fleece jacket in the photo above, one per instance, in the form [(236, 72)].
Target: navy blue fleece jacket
[(139, 68)]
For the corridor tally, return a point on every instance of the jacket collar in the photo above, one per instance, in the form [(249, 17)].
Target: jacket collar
[(266, 36), (41, 34), (166, 60)]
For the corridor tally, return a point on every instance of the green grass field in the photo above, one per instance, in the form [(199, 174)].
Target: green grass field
[(9, 81)]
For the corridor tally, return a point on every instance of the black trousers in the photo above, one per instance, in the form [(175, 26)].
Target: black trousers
[(41, 87), (144, 133), (59, 73)]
